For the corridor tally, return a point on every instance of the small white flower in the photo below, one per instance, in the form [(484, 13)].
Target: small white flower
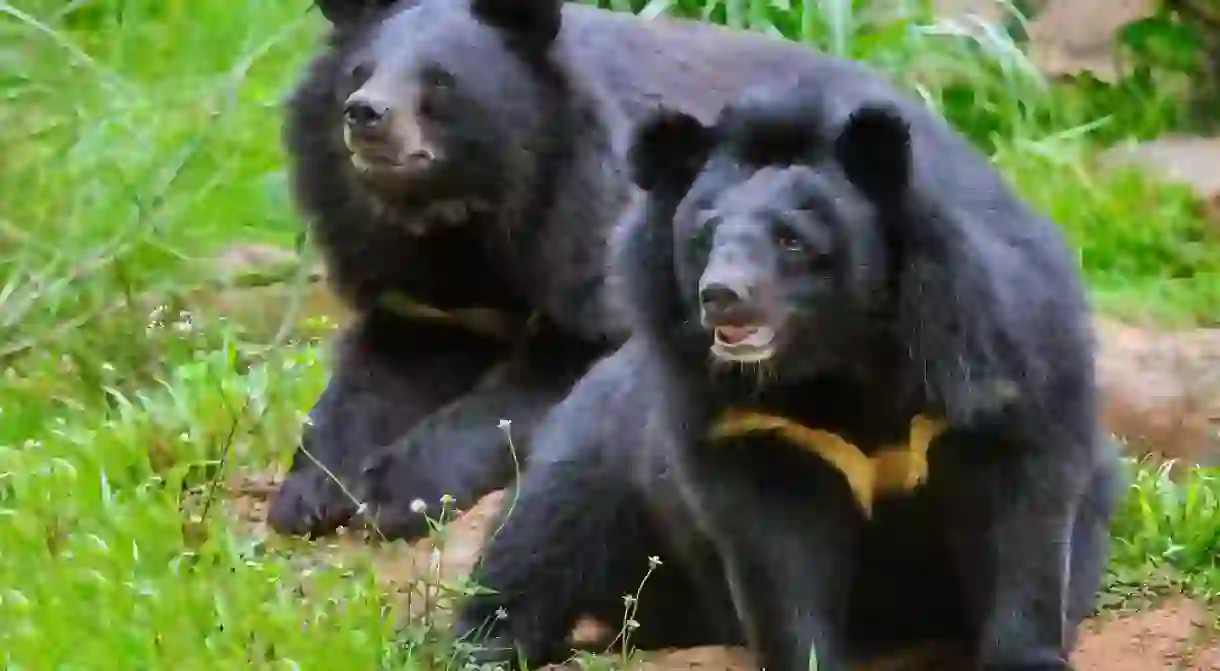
[(418, 506), (505, 424)]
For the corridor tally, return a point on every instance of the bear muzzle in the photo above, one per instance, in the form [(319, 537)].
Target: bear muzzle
[(383, 141), (730, 309)]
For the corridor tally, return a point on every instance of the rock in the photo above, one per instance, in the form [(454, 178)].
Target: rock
[(1161, 390), (1188, 160), (1072, 36), (235, 264), (989, 11), (1066, 37), (260, 309), (253, 286)]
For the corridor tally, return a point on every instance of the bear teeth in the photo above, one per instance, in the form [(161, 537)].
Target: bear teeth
[(744, 335), (733, 335)]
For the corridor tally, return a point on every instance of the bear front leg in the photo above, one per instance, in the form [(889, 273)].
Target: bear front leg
[(570, 544), (461, 451), (1012, 534), (785, 526), (387, 375)]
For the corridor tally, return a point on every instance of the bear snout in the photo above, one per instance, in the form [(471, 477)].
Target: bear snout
[(383, 139), (364, 113), (729, 297), (724, 302)]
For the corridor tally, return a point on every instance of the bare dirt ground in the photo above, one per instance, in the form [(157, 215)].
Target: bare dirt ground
[(1173, 635)]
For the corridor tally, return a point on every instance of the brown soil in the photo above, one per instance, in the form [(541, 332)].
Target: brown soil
[(1172, 635)]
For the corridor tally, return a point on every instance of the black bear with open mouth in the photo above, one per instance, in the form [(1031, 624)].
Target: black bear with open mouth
[(857, 412)]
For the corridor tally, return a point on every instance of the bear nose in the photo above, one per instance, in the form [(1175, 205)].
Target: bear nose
[(363, 113), (721, 297)]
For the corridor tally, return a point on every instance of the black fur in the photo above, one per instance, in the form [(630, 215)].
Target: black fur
[(387, 376), (528, 133), (578, 530), (901, 276), (479, 457), (349, 12)]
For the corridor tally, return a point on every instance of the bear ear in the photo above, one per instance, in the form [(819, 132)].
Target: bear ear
[(668, 148), (874, 149), (342, 13), (536, 22)]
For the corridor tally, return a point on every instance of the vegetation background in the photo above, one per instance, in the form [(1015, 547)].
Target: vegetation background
[(140, 144)]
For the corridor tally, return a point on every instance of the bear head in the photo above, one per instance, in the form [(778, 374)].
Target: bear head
[(771, 232), (434, 100)]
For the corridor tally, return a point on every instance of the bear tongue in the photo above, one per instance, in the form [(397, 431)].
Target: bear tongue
[(732, 335)]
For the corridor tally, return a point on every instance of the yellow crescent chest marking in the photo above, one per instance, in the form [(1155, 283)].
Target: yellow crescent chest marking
[(893, 468), (486, 321)]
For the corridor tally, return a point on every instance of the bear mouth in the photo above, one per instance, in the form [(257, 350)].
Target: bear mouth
[(743, 344), (376, 160)]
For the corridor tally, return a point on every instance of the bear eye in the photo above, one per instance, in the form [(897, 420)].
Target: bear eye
[(789, 242), (438, 79)]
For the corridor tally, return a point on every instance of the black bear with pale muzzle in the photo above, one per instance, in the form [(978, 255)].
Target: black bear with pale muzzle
[(461, 166), (857, 412)]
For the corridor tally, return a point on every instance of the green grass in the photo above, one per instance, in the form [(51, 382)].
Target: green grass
[(1166, 536), (141, 136)]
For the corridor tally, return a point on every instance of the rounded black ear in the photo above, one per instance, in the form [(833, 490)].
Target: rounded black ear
[(343, 13), (874, 149), (535, 22), (668, 148)]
